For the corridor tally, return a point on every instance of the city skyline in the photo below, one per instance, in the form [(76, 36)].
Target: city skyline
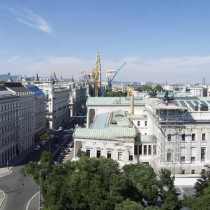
[(159, 40)]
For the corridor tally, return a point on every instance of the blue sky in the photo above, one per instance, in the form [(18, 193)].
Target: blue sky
[(161, 40)]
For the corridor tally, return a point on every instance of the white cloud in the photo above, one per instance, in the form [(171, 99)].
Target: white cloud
[(31, 19), (14, 58), (181, 69)]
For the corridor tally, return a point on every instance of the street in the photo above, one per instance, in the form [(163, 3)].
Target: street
[(19, 189)]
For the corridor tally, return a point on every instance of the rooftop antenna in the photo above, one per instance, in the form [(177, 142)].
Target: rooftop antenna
[(55, 77), (10, 78), (37, 77)]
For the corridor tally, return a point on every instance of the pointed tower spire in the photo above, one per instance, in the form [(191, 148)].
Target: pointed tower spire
[(97, 75), (37, 77)]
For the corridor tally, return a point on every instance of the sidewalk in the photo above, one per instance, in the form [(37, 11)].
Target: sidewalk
[(6, 170), (2, 197)]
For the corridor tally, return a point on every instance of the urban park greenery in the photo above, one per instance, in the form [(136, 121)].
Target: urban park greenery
[(99, 184)]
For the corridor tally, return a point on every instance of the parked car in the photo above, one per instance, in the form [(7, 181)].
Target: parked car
[(56, 145), (60, 128), (71, 146), (37, 147), (43, 143)]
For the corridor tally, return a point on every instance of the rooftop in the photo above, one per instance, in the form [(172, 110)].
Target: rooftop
[(6, 94), (36, 91), (108, 126), (113, 101), (182, 103)]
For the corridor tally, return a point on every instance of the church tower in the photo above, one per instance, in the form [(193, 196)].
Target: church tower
[(97, 76)]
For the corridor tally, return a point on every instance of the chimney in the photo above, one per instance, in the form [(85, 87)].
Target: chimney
[(132, 105)]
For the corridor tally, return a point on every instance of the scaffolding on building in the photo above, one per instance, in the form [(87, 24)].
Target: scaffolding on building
[(169, 126)]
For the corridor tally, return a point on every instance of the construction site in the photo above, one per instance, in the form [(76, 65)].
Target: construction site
[(181, 135), (95, 77)]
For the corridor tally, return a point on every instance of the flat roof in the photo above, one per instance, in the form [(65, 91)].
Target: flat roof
[(110, 125), (138, 117), (113, 101)]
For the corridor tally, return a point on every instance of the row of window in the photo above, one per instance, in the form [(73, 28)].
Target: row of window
[(7, 140), (193, 137), (109, 155), (138, 123), (7, 117), (192, 171), (8, 106), (145, 150), (8, 128), (203, 155)]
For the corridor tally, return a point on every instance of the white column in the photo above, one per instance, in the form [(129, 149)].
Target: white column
[(75, 143), (207, 148), (188, 148), (198, 148), (88, 118)]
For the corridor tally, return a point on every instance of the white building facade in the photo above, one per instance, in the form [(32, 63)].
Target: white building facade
[(26, 115), (40, 117), (8, 125), (172, 135), (57, 99)]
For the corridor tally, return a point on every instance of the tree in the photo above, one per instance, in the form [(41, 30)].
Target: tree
[(144, 179), (46, 157), (158, 88), (167, 191), (203, 182), (114, 94), (200, 202), (89, 183), (96, 184), (129, 205), (146, 88)]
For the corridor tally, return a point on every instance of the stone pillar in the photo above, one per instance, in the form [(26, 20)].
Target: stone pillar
[(208, 148), (188, 140), (75, 143), (94, 150), (88, 118), (198, 147), (104, 150)]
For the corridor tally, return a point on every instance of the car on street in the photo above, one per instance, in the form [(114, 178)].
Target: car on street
[(43, 143), (37, 147), (56, 145)]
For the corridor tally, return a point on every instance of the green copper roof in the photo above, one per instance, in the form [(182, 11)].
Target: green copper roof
[(138, 117), (148, 139), (110, 125), (113, 101), (108, 134)]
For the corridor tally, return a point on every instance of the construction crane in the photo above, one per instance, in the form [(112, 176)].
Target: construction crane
[(110, 82)]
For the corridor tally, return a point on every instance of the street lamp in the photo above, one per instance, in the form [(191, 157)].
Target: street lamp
[(40, 189)]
